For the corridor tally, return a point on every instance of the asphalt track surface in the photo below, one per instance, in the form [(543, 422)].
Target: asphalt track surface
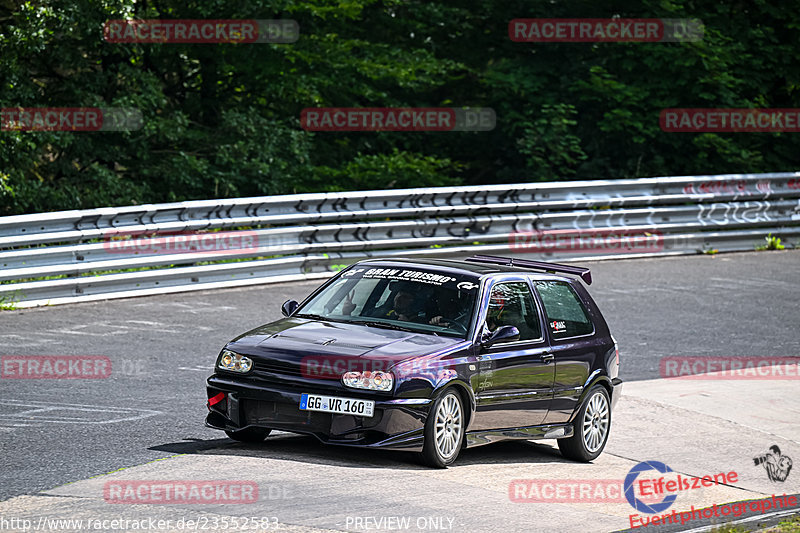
[(162, 348)]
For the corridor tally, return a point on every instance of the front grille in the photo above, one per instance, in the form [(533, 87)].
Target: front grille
[(261, 412), (279, 367), (288, 414)]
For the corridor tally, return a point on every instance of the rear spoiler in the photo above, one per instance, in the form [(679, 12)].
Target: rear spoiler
[(584, 273)]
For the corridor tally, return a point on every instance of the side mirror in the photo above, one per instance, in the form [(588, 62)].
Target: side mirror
[(501, 334), (289, 307)]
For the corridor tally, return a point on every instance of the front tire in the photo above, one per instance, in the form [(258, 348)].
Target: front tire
[(249, 435), (444, 430), (591, 428)]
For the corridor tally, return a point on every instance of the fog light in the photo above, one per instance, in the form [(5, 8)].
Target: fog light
[(234, 362)]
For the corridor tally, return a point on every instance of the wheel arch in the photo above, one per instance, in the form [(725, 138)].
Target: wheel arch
[(467, 396), (597, 378)]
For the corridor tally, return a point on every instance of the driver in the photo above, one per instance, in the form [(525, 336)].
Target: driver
[(402, 307), (451, 312)]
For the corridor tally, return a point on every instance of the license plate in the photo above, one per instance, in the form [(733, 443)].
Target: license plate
[(332, 404)]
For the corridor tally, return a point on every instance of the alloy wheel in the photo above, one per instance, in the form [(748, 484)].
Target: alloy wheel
[(595, 422), (449, 419)]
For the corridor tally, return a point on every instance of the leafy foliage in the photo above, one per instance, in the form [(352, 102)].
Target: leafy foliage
[(223, 120)]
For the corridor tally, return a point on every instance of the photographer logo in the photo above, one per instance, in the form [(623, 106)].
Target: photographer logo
[(777, 466)]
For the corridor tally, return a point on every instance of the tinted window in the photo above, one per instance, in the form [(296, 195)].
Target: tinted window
[(511, 304), (566, 316), (416, 299)]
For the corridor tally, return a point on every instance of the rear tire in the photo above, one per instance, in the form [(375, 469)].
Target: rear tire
[(591, 427), (249, 434), (444, 430)]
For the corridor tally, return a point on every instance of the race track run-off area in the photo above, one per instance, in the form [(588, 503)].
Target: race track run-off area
[(73, 448)]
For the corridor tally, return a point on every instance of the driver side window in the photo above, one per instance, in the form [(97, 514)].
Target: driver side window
[(511, 304)]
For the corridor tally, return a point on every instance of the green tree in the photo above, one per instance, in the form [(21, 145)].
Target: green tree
[(223, 120)]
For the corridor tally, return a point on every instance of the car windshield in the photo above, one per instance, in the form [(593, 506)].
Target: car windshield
[(409, 299)]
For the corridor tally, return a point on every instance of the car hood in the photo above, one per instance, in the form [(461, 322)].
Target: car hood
[(292, 339)]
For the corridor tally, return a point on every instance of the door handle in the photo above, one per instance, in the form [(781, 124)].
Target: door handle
[(547, 357)]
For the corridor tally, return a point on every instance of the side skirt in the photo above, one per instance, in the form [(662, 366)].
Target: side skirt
[(552, 431)]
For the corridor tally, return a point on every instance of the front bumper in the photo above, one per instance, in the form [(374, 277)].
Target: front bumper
[(397, 423)]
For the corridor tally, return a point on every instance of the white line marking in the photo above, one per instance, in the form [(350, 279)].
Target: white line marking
[(120, 412)]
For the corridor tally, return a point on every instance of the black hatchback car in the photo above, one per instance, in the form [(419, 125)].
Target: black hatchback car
[(430, 356)]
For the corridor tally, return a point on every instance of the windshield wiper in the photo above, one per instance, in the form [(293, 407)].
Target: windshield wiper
[(385, 325), (318, 317)]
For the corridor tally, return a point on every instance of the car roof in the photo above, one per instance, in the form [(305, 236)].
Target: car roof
[(463, 268)]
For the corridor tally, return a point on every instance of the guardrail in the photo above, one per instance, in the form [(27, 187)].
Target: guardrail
[(73, 256)]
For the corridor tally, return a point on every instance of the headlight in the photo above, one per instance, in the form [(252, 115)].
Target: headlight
[(380, 381), (235, 362)]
